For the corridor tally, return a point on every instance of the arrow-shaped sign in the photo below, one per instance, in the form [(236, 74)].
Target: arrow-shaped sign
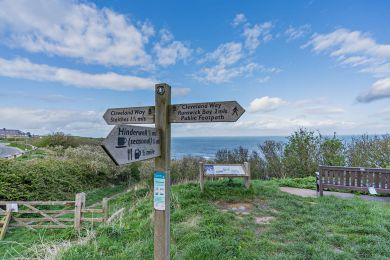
[(127, 143), (226, 111), (129, 115)]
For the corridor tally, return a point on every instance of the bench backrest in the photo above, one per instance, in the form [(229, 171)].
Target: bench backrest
[(355, 178)]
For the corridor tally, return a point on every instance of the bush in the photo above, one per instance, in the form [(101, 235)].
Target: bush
[(62, 174), (301, 154), (273, 153), (366, 151), (332, 152), (61, 139)]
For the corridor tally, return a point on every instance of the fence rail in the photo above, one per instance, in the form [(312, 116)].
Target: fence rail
[(35, 214)]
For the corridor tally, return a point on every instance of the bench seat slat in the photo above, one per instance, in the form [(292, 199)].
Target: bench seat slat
[(355, 178)]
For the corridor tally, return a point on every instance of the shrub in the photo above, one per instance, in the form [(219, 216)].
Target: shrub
[(61, 174), (273, 153), (301, 154), (366, 151), (238, 155), (332, 152)]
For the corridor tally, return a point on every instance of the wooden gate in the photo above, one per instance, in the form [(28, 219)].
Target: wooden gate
[(50, 214)]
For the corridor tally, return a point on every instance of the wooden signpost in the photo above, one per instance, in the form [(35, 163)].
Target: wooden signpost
[(124, 140)]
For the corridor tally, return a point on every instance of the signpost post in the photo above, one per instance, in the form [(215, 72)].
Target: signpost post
[(127, 143), (162, 169)]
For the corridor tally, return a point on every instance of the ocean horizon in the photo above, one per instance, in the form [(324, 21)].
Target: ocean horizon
[(208, 146)]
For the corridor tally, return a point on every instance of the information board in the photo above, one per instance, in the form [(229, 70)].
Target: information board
[(210, 169)]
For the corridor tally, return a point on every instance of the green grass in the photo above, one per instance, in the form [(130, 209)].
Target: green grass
[(202, 228), (303, 228), (303, 183), (21, 146)]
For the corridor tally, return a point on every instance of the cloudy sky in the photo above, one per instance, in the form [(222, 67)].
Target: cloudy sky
[(323, 65)]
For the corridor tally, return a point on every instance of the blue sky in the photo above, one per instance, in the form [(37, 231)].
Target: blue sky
[(323, 65)]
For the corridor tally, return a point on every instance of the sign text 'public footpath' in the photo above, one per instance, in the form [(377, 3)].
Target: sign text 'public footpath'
[(127, 144)]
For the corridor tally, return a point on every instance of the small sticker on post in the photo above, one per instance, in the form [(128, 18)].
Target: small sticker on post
[(159, 190)]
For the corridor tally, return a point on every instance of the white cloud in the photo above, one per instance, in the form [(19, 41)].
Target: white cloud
[(170, 53), (293, 33), (380, 89), (239, 19), (253, 34), (358, 50), (263, 79), (323, 110), (78, 30), (43, 121), (181, 92), (24, 69), (221, 73), (225, 54), (266, 104), (346, 42)]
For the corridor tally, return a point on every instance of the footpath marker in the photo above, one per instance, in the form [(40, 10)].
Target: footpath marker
[(226, 111), (127, 143)]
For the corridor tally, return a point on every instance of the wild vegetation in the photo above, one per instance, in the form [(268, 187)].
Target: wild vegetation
[(305, 150), (66, 165), (60, 173)]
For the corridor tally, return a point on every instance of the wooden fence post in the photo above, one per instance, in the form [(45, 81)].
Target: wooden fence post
[(79, 205), (248, 172), (201, 177), (105, 209)]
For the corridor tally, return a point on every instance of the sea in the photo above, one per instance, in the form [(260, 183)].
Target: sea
[(208, 146)]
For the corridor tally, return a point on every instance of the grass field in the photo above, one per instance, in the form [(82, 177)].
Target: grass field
[(230, 222)]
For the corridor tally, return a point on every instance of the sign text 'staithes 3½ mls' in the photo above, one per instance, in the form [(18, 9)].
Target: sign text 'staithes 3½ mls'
[(127, 143), (129, 115)]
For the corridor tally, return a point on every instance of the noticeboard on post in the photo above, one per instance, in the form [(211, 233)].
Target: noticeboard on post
[(210, 169)]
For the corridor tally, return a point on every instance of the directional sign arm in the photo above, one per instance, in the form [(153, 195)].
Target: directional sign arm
[(128, 143), (225, 111), (129, 115)]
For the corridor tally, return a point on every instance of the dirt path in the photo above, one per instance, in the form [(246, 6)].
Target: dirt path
[(343, 195)]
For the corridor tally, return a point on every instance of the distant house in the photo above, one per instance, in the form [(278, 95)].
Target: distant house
[(7, 133)]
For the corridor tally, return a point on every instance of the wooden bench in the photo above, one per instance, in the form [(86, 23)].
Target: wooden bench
[(224, 170), (353, 178)]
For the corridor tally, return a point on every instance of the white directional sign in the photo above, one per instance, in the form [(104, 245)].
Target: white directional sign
[(128, 143), (226, 111), (129, 115)]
